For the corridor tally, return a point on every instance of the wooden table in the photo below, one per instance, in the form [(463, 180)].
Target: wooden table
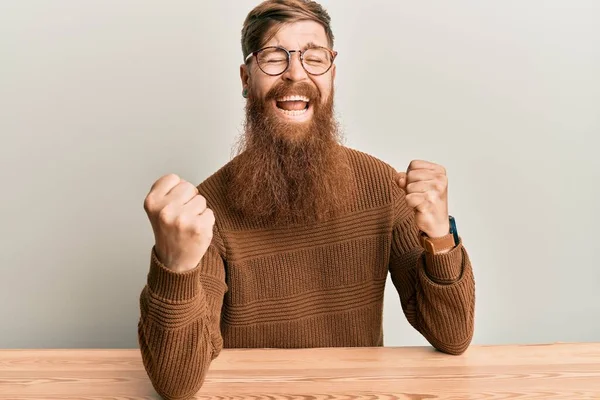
[(555, 371)]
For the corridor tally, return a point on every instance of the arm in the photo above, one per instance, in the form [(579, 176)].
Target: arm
[(437, 292), (179, 328)]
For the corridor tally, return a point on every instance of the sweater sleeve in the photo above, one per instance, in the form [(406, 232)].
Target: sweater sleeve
[(179, 327), (437, 292)]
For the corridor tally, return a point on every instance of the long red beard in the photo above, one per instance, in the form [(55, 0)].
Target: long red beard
[(286, 172)]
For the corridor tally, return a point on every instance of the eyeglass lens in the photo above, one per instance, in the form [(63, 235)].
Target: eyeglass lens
[(274, 61)]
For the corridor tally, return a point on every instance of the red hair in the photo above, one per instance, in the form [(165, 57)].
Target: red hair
[(263, 22)]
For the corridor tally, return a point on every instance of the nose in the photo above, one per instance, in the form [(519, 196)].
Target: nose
[(295, 71)]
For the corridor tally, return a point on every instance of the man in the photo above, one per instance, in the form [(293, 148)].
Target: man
[(289, 244)]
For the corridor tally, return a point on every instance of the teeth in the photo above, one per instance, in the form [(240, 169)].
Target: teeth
[(294, 98), (293, 112)]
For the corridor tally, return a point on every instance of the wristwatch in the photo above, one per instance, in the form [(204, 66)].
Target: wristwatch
[(447, 242)]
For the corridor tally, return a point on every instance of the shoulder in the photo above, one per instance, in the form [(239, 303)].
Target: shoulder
[(374, 179), (369, 167), (377, 182), (214, 188)]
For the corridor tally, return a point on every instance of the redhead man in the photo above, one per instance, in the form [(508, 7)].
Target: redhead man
[(290, 243)]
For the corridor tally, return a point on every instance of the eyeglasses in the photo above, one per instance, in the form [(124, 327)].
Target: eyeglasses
[(275, 60)]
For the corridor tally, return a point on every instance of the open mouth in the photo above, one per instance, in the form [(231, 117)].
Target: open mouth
[(293, 105)]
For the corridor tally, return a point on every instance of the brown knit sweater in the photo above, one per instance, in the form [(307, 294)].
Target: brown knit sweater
[(318, 285)]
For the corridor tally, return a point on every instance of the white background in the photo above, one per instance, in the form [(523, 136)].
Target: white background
[(100, 98)]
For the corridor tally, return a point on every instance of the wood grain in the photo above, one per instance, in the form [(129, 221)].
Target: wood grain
[(554, 371)]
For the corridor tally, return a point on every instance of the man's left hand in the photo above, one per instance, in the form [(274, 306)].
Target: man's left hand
[(426, 187)]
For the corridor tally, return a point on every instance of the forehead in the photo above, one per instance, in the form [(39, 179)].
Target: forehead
[(298, 35)]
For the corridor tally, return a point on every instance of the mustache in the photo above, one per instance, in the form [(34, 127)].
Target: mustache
[(288, 88)]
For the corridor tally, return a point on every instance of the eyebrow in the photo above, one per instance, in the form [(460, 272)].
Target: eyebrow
[(309, 45), (312, 45)]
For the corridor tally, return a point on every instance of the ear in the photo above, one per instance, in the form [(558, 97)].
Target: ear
[(244, 76), (333, 72)]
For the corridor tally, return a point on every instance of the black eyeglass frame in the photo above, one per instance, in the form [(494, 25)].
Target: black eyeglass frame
[(333, 54)]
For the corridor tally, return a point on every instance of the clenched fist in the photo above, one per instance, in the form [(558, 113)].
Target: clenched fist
[(182, 224), (426, 187)]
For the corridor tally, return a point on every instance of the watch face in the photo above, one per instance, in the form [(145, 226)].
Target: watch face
[(453, 229)]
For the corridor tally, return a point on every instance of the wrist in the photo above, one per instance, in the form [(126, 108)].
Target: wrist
[(440, 240), (438, 231), (174, 265)]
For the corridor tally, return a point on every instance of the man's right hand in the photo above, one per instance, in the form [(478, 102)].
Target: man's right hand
[(182, 224)]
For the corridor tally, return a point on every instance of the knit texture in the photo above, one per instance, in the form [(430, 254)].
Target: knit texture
[(312, 285)]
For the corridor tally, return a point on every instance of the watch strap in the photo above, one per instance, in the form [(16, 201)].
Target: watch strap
[(437, 244)]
